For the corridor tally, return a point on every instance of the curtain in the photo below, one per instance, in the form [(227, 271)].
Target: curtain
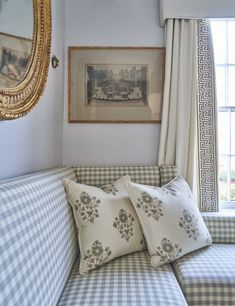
[(188, 130), (180, 98)]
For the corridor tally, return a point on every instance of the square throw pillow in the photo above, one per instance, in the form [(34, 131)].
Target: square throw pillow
[(170, 220), (106, 220)]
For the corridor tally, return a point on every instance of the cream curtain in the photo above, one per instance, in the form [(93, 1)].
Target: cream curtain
[(188, 130), (178, 129)]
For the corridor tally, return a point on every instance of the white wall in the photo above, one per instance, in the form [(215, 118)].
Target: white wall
[(110, 23), (34, 142)]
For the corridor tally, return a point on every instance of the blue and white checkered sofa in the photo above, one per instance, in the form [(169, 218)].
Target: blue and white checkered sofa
[(39, 254)]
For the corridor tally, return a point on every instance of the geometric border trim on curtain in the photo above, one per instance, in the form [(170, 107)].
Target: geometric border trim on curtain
[(207, 120)]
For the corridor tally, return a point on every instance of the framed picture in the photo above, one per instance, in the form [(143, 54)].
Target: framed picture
[(115, 84), (15, 54)]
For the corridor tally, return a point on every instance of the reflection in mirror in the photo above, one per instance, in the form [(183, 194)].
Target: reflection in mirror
[(16, 34), (24, 57)]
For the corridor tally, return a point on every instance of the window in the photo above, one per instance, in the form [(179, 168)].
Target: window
[(223, 32)]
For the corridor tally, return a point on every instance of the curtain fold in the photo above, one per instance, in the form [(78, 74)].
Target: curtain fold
[(188, 129), (180, 98)]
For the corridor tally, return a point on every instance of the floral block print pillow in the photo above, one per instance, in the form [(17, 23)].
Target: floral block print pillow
[(106, 221), (170, 219)]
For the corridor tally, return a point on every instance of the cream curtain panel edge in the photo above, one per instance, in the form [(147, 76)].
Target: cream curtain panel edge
[(180, 99)]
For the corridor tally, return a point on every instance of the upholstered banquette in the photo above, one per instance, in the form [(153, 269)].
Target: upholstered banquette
[(39, 253)]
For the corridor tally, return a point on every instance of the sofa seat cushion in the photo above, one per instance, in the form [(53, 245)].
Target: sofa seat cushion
[(128, 280), (207, 276)]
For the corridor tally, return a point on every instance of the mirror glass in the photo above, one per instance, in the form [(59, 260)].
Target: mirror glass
[(16, 35)]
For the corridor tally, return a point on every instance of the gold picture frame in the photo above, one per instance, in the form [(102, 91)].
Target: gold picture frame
[(115, 84), (17, 101)]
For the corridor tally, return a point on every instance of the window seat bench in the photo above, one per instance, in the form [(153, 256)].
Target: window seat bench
[(39, 253)]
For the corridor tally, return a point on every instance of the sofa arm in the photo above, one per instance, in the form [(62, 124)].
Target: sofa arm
[(221, 226)]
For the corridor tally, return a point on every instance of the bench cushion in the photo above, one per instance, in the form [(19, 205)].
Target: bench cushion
[(128, 280), (207, 276), (99, 176), (221, 225), (38, 243)]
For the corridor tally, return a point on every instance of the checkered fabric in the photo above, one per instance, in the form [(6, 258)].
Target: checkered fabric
[(167, 173), (128, 280), (221, 226), (207, 276), (98, 176), (38, 243)]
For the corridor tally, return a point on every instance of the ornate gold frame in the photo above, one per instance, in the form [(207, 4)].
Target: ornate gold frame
[(18, 101)]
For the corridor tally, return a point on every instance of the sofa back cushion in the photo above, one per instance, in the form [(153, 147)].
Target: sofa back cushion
[(99, 176), (168, 173), (38, 243), (221, 226)]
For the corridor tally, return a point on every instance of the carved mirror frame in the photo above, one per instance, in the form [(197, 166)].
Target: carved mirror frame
[(18, 101)]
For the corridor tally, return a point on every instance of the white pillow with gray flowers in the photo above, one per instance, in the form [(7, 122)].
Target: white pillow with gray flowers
[(106, 220), (170, 220)]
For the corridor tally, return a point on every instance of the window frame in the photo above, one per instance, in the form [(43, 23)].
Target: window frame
[(230, 203)]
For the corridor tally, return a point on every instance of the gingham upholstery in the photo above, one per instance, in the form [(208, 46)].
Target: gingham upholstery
[(128, 280), (98, 176), (38, 246), (167, 173), (38, 243), (207, 276), (221, 226)]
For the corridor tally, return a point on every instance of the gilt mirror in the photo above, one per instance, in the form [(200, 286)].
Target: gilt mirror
[(25, 39)]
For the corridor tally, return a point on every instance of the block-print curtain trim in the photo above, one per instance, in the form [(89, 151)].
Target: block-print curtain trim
[(207, 120)]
